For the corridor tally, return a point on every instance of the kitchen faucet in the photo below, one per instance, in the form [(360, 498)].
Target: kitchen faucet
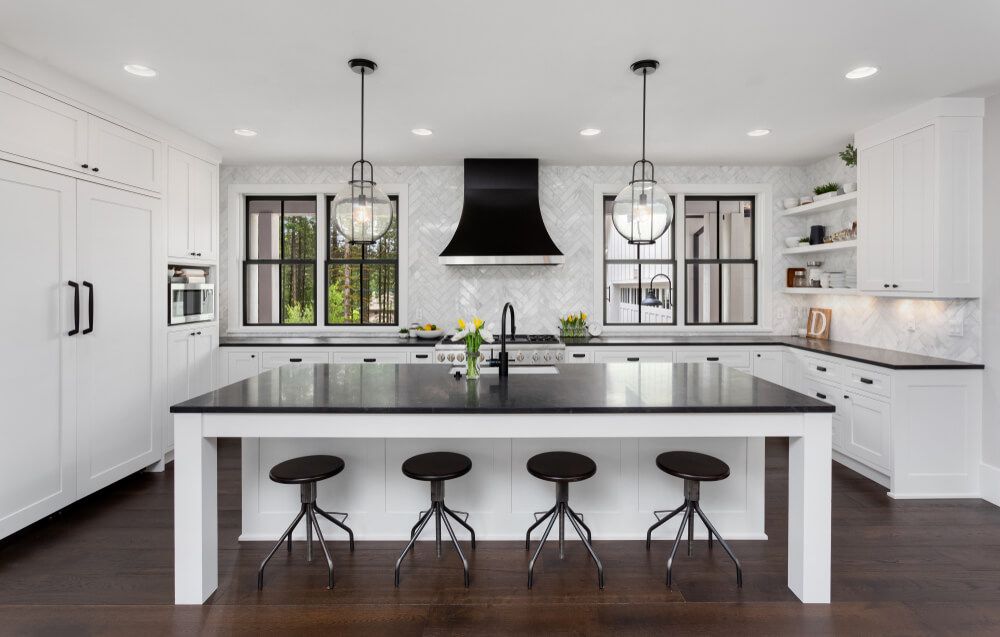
[(504, 363)]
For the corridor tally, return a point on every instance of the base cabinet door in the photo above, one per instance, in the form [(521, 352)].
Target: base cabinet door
[(38, 375), (767, 365), (117, 432), (868, 432), (204, 344), (240, 366)]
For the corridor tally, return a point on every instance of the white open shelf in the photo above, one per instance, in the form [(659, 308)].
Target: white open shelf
[(823, 247), (833, 203), (834, 291)]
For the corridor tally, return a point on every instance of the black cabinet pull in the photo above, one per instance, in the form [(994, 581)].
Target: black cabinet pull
[(84, 166), (712, 358), (758, 355), (579, 356), (633, 359), (846, 397), (821, 396), (253, 356), (894, 285), (199, 333), (294, 360), (369, 360), (421, 355), (95, 169), (90, 308), (885, 285), (820, 368), (867, 381), (76, 308), (192, 334)]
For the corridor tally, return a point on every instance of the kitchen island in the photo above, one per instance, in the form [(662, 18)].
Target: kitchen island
[(621, 414)]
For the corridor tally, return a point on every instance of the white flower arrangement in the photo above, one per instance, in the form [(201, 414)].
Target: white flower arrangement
[(474, 333)]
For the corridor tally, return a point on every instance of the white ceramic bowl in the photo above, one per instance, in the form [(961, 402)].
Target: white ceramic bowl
[(792, 242), (849, 187), (804, 200), (825, 195), (429, 333), (790, 202)]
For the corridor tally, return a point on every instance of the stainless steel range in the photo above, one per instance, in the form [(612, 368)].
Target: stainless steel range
[(522, 349)]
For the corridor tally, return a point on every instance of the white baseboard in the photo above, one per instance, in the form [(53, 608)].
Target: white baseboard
[(989, 483), (866, 471)]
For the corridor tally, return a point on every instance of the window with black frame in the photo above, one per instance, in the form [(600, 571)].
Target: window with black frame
[(720, 261), (279, 269), (362, 281), (638, 279)]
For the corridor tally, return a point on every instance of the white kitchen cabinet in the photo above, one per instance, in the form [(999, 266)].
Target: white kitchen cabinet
[(271, 360), (575, 355), (868, 430), (38, 378), (36, 126), (193, 207), (117, 432), (766, 364), (730, 357), (382, 356), (635, 356), (240, 365), (920, 188), (119, 154), (190, 367), (421, 358)]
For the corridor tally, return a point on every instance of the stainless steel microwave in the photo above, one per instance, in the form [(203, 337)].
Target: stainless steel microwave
[(191, 302)]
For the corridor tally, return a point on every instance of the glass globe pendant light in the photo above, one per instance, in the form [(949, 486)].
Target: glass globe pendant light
[(361, 211), (642, 211)]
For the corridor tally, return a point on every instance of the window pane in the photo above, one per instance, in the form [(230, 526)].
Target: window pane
[(343, 301), (386, 247), (280, 294), (263, 231), (736, 229), (299, 234), (361, 294), (702, 293), (738, 293), (378, 306), (700, 229), (627, 287)]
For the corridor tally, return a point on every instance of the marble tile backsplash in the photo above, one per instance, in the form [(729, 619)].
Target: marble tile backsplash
[(540, 294)]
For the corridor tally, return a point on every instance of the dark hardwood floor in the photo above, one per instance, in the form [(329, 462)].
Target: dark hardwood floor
[(104, 567)]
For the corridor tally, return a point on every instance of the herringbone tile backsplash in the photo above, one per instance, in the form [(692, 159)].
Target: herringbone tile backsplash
[(440, 293)]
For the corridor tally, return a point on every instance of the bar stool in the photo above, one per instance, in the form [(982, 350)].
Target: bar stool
[(306, 472), (694, 468), (436, 468), (561, 467)]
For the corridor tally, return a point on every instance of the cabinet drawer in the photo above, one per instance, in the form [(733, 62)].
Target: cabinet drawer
[(645, 356), (819, 368), (830, 394), (579, 357), (874, 382), (729, 358), (422, 357), (270, 360), (371, 357)]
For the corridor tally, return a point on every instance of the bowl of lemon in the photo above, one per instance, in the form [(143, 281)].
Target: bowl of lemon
[(429, 330)]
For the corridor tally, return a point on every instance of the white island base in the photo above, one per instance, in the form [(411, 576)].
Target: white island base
[(498, 493)]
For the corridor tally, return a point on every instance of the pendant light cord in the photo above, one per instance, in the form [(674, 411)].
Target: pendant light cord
[(363, 118), (643, 118)]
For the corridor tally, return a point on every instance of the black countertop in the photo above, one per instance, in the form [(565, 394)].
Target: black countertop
[(326, 341), (413, 389), (850, 351)]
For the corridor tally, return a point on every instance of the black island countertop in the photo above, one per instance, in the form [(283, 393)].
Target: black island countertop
[(415, 389)]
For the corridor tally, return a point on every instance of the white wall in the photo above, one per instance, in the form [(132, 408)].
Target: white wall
[(991, 287)]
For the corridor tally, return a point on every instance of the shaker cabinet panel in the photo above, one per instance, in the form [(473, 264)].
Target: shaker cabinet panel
[(240, 366), (875, 217), (767, 366), (119, 154), (36, 126), (192, 201), (913, 212), (868, 433)]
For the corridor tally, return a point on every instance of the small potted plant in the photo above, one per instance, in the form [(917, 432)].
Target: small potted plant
[(573, 325), (404, 332), (474, 333), (825, 191), (849, 155)]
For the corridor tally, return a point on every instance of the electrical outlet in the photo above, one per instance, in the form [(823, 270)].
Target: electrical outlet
[(779, 314), (955, 327), (911, 324)]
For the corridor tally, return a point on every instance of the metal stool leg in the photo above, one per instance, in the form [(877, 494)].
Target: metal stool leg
[(680, 532), (538, 520), (465, 523), (288, 534), (420, 527), (336, 522), (661, 521), (454, 540), (590, 549), (541, 543), (725, 545), (579, 518), (322, 543), (562, 531)]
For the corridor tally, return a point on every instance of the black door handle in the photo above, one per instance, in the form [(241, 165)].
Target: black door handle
[(712, 359), (294, 360), (579, 356), (421, 355), (90, 308), (819, 395), (369, 360), (820, 369), (76, 308), (894, 285), (867, 381), (633, 359)]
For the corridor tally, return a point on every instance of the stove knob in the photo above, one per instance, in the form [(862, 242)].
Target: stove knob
[(535, 357), (559, 356), (548, 357), (440, 357), (451, 357), (482, 357), (460, 357), (520, 356)]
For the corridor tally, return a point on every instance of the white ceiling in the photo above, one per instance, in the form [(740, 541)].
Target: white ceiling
[(519, 78)]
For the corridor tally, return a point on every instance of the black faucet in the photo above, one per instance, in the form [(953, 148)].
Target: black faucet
[(504, 363)]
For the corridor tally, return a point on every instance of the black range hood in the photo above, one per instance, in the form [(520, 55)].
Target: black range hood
[(501, 223)]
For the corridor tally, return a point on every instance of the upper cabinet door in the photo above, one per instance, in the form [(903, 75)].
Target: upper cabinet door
[(192, 198), (875, 217), (122, 155), (35, 126), (913, 211)]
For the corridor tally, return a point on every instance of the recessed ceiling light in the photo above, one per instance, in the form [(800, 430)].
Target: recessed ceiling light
[(245, 132), (759, 132), (140, 70), (423, 132), (590, 132), (860, 72)]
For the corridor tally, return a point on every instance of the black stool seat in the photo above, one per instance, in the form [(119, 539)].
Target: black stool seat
[(691, 465), (561, 466), (438, 465), (306, 469)]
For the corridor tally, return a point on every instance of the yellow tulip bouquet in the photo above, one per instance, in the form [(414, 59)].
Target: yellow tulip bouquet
[(573, 325), (474, 333)]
